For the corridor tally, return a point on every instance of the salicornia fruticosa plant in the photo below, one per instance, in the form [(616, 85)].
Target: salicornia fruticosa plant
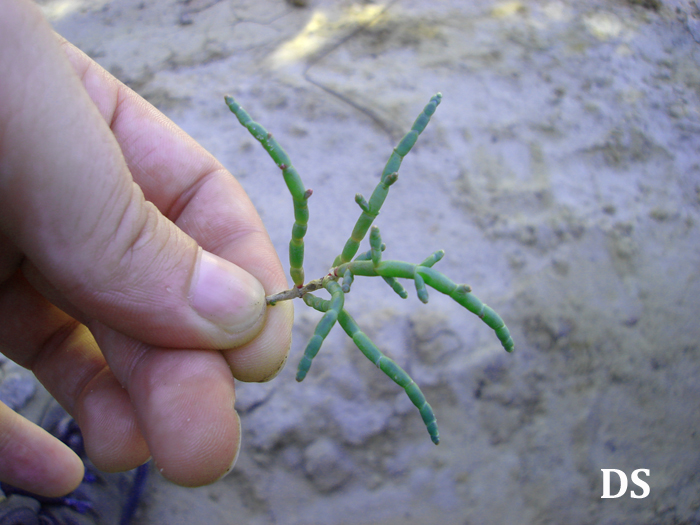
[(369, 263)]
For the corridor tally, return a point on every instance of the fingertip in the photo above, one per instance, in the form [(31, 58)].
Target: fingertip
[(107, 420), (32, 459), (195, 463), (263, 358), (69, 471), (276, 372), (238, 449), (187, 415), (64, 475)]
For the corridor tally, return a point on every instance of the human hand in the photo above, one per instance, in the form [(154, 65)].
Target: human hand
[(133, 271)]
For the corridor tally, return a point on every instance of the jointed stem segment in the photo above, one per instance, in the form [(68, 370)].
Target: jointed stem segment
[(369, 264), (293, 181), (385, 364), (323, 328), (461, 293), (370, 209)]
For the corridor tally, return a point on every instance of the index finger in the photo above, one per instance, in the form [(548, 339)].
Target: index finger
[(190, 187)]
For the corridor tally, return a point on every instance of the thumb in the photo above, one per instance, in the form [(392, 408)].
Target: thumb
[(91, 241)]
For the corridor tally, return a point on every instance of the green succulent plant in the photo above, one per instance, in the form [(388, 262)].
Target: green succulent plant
[(347, 265)]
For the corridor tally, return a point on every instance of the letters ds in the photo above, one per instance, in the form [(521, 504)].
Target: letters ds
[(623, 483)]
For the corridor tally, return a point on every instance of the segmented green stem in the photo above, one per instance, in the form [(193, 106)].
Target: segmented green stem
[(384, 363), (294, 184), (461, 293), (323, 327), (370, 209)]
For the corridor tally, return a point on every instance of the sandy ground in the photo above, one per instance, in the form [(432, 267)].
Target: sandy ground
[(561, 174)]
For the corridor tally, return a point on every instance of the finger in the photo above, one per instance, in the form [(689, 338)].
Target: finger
[(70, 205), (184, 404), (34, 460), (65, 358)]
